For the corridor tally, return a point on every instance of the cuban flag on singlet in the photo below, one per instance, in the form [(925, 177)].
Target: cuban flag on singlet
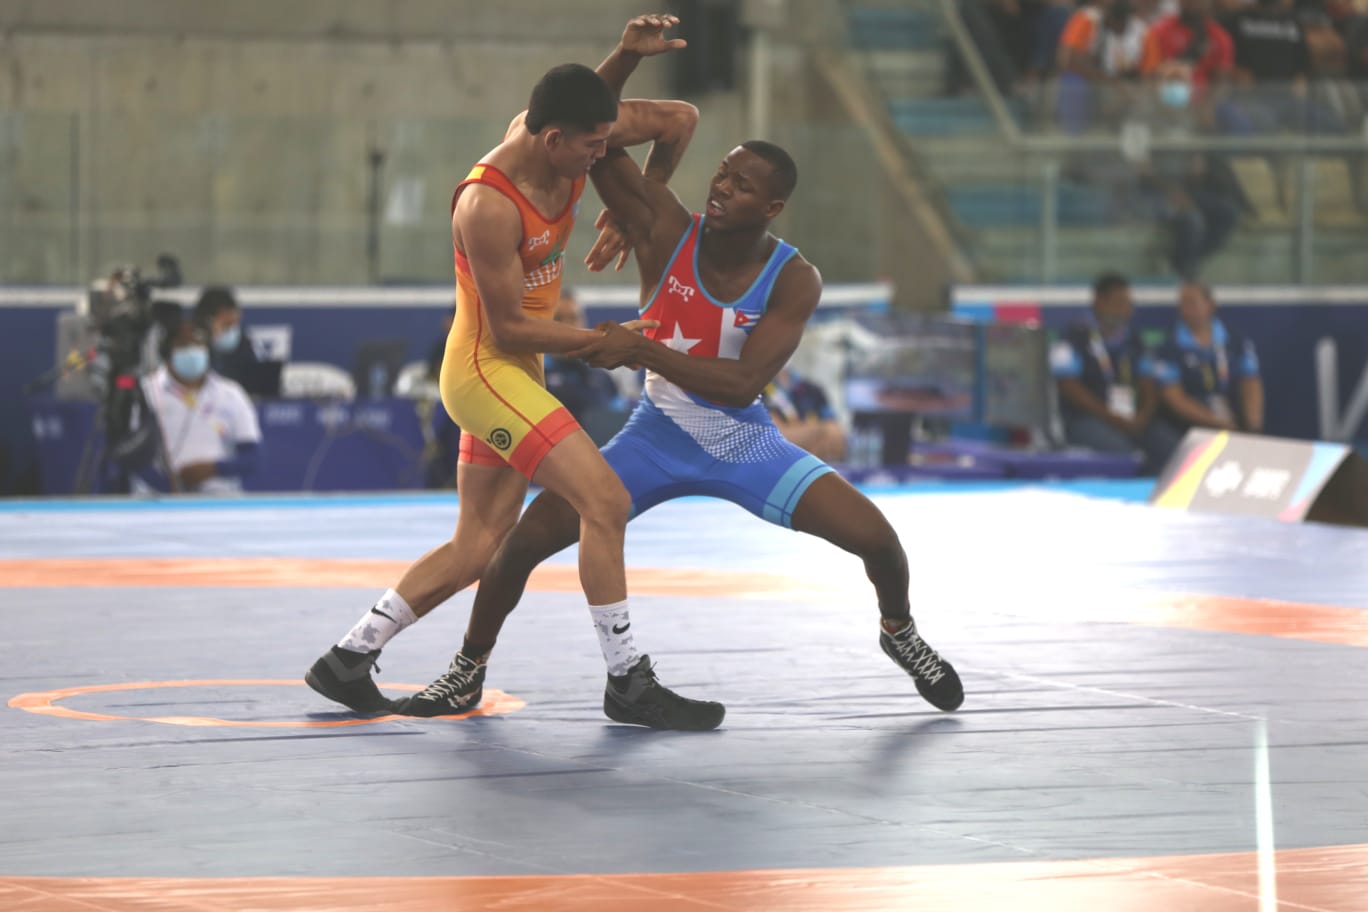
[(695, 323)]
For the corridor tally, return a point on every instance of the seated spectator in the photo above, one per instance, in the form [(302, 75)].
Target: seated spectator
[(1273, 72), (1200, 199), (210, 438), (1191, 59), (1050, 23), (1329, 54), (230, 352), (1005, 32), (1151, 11), (803, 413), (1208, 375), (1099, 57), (589, 393), (1105, 375)]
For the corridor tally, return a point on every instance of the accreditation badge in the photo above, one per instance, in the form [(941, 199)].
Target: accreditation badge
[(1121, 400)]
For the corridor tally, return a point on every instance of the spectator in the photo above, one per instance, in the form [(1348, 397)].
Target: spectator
[(1151, 11), (1105, 375), (1208, 375), (1329, 54), (1099, 56), (1356, 50), (802, 411), (230, 353), (1273, 71), (210, 438), (1053, 17), (1199, 197), (589, 393), (1190, 58), (1005, 33)]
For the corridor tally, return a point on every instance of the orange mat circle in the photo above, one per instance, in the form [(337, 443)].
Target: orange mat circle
[(44, 703)]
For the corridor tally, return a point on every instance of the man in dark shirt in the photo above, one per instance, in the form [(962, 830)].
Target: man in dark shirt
[(1105, 376), (230, 352), (1272, 72)]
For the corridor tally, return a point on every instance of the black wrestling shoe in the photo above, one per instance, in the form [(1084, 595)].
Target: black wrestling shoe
[(637, 698), (458, 691), (344, 677), (935, 678)]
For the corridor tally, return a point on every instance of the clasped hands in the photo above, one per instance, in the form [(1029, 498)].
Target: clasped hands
[(618, 345)]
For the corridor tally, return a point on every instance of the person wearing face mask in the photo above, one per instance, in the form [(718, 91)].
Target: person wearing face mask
[(1105, 377), (230, 353), (1190, 58), (210, 437)]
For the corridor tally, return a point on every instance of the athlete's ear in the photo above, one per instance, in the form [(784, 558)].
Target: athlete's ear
[(552, 137), (773, 208)]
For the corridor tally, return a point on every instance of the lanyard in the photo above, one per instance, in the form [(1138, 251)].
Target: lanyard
[(1104, 361), (1209, 381)]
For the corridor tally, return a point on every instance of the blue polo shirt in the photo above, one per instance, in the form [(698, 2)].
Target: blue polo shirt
[(1084, 354), (1207, 371)]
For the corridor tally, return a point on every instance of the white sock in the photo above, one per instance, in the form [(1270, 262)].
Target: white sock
[(379, 625), (615, 636)]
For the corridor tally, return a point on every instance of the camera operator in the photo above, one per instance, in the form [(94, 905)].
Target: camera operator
[(230, 353), (210, 438)]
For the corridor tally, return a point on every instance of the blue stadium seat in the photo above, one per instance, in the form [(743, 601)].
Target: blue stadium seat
[(873, 28)]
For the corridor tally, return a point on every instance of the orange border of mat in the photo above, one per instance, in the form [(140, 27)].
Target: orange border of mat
[(1268, 617), (1330, 879)]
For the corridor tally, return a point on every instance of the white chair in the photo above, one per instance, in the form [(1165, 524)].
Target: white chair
[(315, 380), (413, 382)]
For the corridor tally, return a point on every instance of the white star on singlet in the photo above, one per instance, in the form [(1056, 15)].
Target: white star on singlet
[(678, 342)]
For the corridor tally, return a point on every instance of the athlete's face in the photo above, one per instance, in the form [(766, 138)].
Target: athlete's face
[(574, 152), (739, 195)]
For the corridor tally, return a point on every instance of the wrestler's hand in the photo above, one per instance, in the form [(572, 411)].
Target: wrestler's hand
[(611, 242), (618, 344), (644, 35)]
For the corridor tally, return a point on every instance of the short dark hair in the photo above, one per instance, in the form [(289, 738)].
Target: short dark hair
[(172, 325), (214, 300), (1108, 282), (571, 95), (784, 171)]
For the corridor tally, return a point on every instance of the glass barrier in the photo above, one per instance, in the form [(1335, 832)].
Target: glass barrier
[(1261, 184), (335, 201)]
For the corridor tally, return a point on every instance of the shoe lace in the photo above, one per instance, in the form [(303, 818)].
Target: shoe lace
[(457, 680), (926, 662)]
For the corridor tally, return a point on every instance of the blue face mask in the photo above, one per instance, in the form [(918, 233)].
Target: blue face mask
[(227, 341), (190, 363), (1176, 93)]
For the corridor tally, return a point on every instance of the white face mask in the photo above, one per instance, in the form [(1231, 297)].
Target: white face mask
[(227, 341), (190, 363), (1176, 93)]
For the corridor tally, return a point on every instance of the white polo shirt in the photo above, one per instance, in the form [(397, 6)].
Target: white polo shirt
[(203, 425)]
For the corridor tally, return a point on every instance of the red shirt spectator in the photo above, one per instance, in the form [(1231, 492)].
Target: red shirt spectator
[(1170, 38)]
